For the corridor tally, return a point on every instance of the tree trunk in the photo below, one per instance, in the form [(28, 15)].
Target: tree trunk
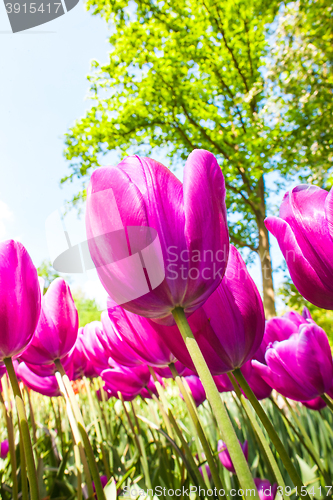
[(264, 255)]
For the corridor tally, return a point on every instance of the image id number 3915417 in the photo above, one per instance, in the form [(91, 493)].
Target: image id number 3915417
[(32, 7)]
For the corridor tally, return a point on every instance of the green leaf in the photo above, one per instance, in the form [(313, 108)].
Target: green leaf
[(110, 490)]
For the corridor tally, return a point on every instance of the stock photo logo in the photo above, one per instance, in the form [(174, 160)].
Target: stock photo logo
[(26, 14), (128, 260)]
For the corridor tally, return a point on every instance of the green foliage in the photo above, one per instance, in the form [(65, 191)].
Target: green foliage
[(294, 300), (184, 75), (251, 81), (303, 71), (164, 454), (88, 309)]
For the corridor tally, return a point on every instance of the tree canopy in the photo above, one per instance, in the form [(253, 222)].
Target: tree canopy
[(224, 76)]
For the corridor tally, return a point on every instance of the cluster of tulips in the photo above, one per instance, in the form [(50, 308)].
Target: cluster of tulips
[(201, 323)]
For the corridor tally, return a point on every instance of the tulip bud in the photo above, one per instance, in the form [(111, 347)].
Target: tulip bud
[(265, 490), (20, 299), (300, 367), (304, 233), (57, 327), (158, 231), (4, 448), (225, 458), (196, 388)]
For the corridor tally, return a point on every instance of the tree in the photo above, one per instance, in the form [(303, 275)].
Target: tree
[(303, 71), (186, 74)]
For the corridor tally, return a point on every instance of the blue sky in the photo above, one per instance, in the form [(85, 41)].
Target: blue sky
[(43, 89)]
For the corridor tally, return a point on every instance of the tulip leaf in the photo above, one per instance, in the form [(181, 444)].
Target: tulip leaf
[(110, 490), (308, 473)]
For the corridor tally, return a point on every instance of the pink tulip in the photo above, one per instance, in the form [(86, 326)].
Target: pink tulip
[(165, 371), (115, 347), (315, 404), (300, 367), (229, 327), (196, 388), (225, 458), (140, 210), (223, 383), (19, 299), (139, 334), (265, 490), (77, 361), (93, 347), (304, 233), (57, 327), (104, 481), (145, 393), (48, 386), (128, 381), (4, 448)]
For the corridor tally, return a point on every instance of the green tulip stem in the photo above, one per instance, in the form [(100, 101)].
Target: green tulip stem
[(11, 442), (261, 437), (139, 444), (227, 431), (32, 417), (24, 430), (97, 426), (328, 401), (85, 439), (24, 479), (187, 451), (198, 428), (309, 445), (294, 476), (165, 404)]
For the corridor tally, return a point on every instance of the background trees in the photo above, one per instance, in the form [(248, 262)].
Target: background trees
[(224, 76)]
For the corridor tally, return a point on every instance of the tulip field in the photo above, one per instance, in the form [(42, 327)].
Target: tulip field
[(182, 389)]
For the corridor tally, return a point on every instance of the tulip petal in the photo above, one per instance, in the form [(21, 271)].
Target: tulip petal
[(305, 278), (204, 193), (20, 298)]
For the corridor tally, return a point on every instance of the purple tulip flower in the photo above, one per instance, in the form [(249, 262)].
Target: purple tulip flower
[(77, 357), (229, 327), (225, 458), (93, 347), (57, 327), (258, 385), (104, 481), (209, 474), (223, 383), (281, 328), (197, 390), (142, 222), (115, 347), (139, 334), (20, 299), (265, 490), (316, 404), (48, 386), (4, 448), (80, 364), (300, 367), (128, 381), (304, 233), (49, 370), (165, 371), (145, 393)]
